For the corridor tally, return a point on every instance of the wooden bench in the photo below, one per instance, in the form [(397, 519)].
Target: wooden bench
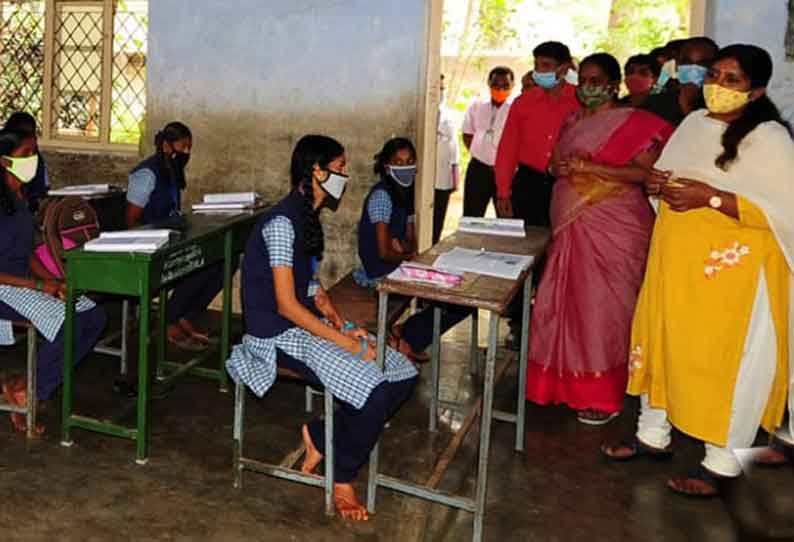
[(28, 410)]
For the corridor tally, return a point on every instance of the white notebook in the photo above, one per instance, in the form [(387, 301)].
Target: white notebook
[(509, 227), (232, 197), (80, 190), (125, 244), (220, 206), (136, 234)]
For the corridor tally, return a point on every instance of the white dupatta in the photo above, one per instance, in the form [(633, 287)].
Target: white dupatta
[(763, 173)]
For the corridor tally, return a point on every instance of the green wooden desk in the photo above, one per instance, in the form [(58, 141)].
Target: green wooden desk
[(203, 240)]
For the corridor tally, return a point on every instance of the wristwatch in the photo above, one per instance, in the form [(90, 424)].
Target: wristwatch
[(715, 202)]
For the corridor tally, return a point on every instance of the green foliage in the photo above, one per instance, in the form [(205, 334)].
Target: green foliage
[(640, 25)]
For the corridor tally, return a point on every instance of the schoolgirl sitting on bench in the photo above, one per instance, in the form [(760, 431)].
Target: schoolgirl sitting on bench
[(292, 323), (28, 292), (387, 237), (154, 195)]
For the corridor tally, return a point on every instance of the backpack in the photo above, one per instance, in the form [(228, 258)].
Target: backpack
[(67, 223)]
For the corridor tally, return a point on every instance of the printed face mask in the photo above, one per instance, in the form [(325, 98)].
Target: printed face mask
[(637, 84), (334, 186), (724, 100), (24, 169), (691, 74), (403, 175), (593, 96), (545, 79)]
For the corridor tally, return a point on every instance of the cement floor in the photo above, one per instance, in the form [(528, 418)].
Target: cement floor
[(559, 490)]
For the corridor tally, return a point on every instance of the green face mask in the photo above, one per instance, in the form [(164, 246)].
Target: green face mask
[(593, 96)]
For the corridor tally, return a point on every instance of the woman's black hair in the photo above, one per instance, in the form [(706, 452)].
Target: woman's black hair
[(404, 196), (608, 64), (9, 141), (172, 132), (312, 150), (756, 64), (648, 61), (22, 123)]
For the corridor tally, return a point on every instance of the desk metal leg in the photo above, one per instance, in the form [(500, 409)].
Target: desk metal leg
[(162, 332), (474, 351), (372, 483), (226, 315), (142, 434), (329, 453), (485, 428), (521, 401), (239, 414), (68, 366), (435, 362)]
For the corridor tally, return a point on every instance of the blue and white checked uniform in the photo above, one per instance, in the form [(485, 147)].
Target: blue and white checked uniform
[(348, 378), (44, 311), (140, 186), (379, 208)]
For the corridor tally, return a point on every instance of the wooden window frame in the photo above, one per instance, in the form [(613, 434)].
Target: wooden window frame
[(77, 143)]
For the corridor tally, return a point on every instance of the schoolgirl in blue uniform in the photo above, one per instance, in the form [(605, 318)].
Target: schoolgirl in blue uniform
[(387, 237), (154, 194), (35, 190), (291, 322), (27, 290)]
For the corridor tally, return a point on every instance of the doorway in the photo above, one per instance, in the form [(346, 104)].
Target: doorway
[(472, 36)]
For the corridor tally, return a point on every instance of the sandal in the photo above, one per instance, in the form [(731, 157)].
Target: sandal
[(708, 482), (636, 450), (15, 393), (592, 416), (776, 454), (397, 342)]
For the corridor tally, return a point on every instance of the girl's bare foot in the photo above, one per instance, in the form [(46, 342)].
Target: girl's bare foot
[(347, 503), (313, 457)]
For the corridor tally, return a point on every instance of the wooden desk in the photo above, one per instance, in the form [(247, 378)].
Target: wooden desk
[(480, 292), (204, 240)]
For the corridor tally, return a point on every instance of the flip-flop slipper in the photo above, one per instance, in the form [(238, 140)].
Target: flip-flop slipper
[(597, 421), (702, 474), (637, 449)]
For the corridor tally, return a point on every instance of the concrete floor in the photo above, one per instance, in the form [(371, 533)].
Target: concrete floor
[(559, 490)]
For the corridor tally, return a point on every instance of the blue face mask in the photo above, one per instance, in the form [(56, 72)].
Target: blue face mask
[(403, 175), (664, 77), (545, 79), (692, 74)]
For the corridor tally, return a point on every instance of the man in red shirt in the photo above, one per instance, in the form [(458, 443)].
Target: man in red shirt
[(523, 185)]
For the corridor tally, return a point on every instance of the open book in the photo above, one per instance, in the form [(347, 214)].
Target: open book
[(483, 262), (510, 227)]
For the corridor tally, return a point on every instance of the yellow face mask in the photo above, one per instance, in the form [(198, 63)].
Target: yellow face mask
[(724, 100)]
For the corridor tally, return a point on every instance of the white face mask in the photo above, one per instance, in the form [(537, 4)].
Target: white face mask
[(334, 185), (572, 77), (24, 169)]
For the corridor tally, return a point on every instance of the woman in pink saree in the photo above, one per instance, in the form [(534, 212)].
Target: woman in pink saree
[(601, 228)]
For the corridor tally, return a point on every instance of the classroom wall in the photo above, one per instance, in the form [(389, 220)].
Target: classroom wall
[(252, 79), (763, 23)]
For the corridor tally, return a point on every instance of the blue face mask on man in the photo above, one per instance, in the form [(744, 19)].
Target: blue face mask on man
[(545, 79), (692, 74)]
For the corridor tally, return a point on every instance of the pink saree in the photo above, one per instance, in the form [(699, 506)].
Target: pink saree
[(601, 230)]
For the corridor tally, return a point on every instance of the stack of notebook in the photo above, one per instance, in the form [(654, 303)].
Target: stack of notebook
[(142, 240), (510, 227), (81, 190), (231, 203)]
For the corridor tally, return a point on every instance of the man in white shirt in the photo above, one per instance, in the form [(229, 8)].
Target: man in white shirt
[(482, 129), (447, 156)]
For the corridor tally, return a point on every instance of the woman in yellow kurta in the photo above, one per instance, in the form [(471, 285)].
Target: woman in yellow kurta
[(710, 349)]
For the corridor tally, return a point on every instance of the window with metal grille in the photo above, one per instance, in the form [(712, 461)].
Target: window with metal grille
[(79, 66)]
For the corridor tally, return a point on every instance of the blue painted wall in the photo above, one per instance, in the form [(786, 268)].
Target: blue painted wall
[(252, 76)]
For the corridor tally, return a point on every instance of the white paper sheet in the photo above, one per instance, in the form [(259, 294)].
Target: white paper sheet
[(483, 262)]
